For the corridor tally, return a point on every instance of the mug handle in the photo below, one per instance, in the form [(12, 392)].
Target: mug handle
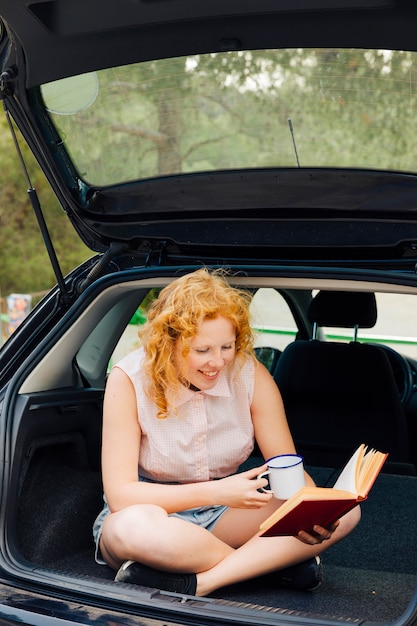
[(262, 488)]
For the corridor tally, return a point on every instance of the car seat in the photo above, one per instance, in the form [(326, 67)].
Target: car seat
[(338, 395)]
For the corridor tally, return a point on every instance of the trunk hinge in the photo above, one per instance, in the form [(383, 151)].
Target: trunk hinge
[(156, 254), (33, 197)]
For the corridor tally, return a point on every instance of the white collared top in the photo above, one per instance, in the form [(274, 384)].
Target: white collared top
[(210, 434)]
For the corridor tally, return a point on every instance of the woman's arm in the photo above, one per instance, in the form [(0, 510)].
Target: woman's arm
[(272, 432), (120, 456), (273, 436)]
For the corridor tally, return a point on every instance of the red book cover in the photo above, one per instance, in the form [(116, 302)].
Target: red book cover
[(310, 512), (325, 505)]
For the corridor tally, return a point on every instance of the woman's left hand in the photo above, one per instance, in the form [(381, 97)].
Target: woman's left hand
[(318, 534)]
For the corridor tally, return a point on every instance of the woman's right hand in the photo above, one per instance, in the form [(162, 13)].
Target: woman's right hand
[(240, 491)]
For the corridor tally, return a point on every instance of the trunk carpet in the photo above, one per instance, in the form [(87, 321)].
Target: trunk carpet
[(368, 576)]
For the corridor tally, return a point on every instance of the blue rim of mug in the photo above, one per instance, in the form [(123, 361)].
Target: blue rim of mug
[(277, 456)]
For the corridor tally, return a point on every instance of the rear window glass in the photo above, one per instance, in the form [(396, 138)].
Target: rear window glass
[(245, 109)]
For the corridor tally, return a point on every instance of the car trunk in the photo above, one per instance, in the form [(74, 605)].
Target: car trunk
[(57, 493)]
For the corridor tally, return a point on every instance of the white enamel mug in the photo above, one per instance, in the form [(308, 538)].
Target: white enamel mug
[(285, 475)]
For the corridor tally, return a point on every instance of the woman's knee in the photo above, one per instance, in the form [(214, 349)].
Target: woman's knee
[(349, 521), (132, 529)]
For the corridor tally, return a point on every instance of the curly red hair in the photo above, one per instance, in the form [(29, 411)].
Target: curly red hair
[(178, 312)]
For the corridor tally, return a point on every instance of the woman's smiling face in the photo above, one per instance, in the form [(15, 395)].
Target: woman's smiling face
[(213, 347)]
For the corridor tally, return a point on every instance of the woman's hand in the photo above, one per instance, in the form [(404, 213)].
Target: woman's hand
[(318, 534), (240, 491)]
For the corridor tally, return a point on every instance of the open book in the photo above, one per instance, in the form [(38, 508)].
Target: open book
[(325, 505)]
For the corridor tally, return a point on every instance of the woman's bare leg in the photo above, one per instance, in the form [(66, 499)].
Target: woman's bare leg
[(261, 555), (145, 533)]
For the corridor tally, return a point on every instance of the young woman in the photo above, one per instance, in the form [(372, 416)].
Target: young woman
[(181, 414)]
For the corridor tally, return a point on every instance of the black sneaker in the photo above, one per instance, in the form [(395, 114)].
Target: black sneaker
[(305, 576), (139, 574)]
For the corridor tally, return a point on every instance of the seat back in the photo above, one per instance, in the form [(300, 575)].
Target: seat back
[(339, 395)]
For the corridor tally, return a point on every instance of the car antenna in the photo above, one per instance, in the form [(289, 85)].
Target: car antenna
[(293, 140), (34, 200)]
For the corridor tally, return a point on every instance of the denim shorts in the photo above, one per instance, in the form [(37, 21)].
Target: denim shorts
[(204, 516)]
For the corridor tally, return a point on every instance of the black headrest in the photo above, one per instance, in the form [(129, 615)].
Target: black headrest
[(344, 309)]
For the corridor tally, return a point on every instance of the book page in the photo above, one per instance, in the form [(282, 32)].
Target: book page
[(371, 465), (347, 480)]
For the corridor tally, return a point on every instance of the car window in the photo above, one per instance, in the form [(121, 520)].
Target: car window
[(129, 339), (238, 109), (396, 325), (272, 319), (272, 322)]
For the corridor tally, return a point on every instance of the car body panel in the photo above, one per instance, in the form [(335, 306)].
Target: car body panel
[(148, 30)]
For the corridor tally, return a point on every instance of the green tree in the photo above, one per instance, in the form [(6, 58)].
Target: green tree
[(24, 264), (348, 108)]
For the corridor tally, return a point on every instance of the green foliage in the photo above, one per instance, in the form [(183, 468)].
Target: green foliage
[(352, 108), (24, 264)]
